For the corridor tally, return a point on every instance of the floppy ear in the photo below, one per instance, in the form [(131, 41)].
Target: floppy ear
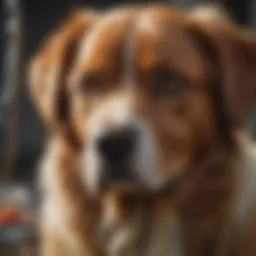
[(50, 67), (232, 53)]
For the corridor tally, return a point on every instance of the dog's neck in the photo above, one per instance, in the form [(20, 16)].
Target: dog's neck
[(150, 228), (199, 206)]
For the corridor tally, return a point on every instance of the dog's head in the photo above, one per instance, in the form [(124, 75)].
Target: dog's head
[(148, 92)]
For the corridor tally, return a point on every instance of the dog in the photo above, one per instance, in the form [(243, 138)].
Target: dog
[(147, 151)]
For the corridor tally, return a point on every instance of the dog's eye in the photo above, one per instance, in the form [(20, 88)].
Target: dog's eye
[(90, 84), (169, 84)]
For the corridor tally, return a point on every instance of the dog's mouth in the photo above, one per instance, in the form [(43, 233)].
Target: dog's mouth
[(120, 178), (125, 200), (125, 182)]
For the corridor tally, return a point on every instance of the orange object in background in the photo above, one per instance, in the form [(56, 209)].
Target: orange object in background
[(9, 216), (15, 205), (18, 230), (12, 216)]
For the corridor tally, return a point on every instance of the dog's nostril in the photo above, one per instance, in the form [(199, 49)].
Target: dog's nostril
[(117, 146)]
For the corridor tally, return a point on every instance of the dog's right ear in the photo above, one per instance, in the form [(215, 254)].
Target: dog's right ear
[(49, 69)]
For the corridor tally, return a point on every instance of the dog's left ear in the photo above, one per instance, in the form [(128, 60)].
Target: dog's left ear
[(232, 52), (51, 65)]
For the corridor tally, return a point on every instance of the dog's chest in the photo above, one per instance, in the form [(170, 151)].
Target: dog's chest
[(166, 238), (160, 237)]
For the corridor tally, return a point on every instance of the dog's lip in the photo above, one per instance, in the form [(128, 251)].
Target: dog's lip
[(131, 187), (125, 187)]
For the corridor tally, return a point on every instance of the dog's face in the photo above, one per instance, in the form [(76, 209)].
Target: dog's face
[(145, 92), (140, 109)]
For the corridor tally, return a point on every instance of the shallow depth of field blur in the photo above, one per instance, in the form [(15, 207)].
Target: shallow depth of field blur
[(23, 25)]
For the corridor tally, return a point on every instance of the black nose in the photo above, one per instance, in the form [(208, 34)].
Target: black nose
[(118, 146)]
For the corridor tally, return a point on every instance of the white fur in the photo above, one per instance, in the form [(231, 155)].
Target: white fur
[(53, 211), (147, 159), (92, 170)]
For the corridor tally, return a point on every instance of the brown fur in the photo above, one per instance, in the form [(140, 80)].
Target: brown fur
[(195, 132)]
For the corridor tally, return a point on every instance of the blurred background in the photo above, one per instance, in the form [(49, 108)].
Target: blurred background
[(23, 25)]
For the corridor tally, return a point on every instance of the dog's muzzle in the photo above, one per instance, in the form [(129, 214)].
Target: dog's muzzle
[(122, 153), (117, 149)]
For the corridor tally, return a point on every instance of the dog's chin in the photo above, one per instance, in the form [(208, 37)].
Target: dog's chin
[(121, 200), (133, 188), (124, 188)]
